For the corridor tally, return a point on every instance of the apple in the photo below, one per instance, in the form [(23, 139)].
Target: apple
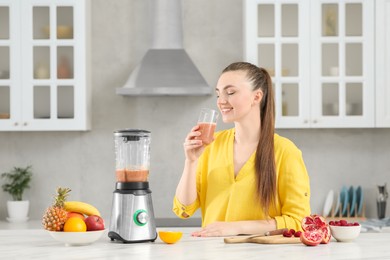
[(76, 215), (94, 223)]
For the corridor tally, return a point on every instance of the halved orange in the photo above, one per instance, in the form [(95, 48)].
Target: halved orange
[(170, 237)]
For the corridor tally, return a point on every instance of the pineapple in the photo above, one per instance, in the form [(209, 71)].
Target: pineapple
[(56, 215)]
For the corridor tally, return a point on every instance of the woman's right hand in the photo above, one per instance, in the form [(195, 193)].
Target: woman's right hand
[(193, 148)]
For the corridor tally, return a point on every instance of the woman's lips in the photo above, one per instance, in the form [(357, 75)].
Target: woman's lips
[(226, 110)]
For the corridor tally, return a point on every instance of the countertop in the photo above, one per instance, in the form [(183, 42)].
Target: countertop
[(29, 241)]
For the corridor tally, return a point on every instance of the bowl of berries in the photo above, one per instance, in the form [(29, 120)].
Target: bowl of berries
[(344, 231)]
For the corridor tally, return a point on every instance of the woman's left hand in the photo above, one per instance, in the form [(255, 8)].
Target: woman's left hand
[(218, 229)]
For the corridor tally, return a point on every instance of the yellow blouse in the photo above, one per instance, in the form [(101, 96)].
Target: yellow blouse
[(224, 197)]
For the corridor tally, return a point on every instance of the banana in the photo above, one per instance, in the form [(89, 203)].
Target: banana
[(81, 207)]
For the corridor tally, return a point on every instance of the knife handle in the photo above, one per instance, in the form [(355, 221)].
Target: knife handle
[(245, 239), (276, 232)]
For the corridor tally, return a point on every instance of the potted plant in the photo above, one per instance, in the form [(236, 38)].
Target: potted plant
[(17, 180)]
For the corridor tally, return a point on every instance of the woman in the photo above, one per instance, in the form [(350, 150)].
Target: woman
[(249, 180)]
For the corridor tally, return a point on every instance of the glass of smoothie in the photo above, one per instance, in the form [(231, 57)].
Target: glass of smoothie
[(207, 123)]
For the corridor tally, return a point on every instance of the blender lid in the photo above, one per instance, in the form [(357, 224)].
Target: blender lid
[(131, 131), (132, 134)]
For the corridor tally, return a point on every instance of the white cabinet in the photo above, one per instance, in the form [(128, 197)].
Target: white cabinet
[(44, 70), (320, 55), (382, 71)]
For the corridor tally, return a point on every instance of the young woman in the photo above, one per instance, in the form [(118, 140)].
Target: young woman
[(249, 180)]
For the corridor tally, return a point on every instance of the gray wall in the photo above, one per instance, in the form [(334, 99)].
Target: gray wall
[(84, 161)]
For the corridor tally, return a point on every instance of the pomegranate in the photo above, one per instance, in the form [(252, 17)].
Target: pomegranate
[(311, 238), (313, 222), (326, 235), (317, 225)]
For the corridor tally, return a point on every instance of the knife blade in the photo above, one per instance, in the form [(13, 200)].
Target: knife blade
[(245, 239)]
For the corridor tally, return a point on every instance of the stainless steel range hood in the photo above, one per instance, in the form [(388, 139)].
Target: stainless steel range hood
[(166, 68)]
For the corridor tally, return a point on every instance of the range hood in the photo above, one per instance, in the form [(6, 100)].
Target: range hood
[(166, 68)]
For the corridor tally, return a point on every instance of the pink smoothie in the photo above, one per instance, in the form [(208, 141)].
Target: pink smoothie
[(207, 132)]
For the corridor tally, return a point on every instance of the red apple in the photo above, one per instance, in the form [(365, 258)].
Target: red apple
[(94, 223), (76, 215)]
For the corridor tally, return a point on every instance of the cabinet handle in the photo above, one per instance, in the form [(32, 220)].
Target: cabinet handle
[(25, 124), (16, 124), (315, 121), (305, 121)]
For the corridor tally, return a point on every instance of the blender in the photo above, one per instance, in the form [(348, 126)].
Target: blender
[(132, 216)]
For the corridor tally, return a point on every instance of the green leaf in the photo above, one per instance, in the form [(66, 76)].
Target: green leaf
[(17, 180)]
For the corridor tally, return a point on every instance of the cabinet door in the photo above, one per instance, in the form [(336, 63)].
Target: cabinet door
[(342, 64), (10, 82), (320, 56), (382, 63), (54, 65), (277, 38)]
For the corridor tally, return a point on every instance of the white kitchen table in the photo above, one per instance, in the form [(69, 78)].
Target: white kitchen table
[(26, 243)]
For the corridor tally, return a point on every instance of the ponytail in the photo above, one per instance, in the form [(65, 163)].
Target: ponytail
[(265, 156)]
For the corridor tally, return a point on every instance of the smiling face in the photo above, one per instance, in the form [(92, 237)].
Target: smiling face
[(236, 97)]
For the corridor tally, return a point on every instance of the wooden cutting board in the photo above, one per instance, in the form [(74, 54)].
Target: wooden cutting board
[(279, 239)]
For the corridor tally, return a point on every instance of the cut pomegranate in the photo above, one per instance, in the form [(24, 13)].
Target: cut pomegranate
[(317, 225), (326, 235), (311, 238)]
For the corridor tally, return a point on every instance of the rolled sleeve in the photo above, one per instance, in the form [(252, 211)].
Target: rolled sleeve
[(184, 211)]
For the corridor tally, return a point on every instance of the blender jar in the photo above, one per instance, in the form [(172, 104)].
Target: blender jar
[(132, 151)]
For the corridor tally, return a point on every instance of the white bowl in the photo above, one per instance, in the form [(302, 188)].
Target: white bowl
[(345, 233), (77, 238)]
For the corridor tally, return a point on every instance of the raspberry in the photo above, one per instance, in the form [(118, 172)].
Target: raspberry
[(298, 234), (287, 234), (343, 223), (292, 231)]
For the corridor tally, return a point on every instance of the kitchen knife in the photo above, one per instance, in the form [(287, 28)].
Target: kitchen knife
[(245, 239)]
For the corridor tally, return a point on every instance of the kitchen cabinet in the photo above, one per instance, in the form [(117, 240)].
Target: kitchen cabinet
[(320, 55), (382, 55), (44, 70)]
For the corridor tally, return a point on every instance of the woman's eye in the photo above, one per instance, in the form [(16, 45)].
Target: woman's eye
[(230, 93)]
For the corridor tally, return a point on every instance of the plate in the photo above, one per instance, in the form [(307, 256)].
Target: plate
[(337, 203), (352, 200), (359, 198), (328, 204), (344, 200), (17, 220), (77, 238)]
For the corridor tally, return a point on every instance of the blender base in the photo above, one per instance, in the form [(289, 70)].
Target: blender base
[(114, 236), (132, 216)]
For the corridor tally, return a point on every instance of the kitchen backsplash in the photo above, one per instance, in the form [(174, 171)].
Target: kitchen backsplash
[(84, 161)]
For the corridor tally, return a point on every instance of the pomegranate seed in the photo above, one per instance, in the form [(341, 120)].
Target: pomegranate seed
[(331, 223), (356, 224), (287, 234), (292, 231)]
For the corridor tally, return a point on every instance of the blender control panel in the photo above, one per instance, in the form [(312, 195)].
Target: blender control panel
[(141, 217)]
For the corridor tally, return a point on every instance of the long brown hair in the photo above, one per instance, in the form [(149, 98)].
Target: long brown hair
[(265, 156)]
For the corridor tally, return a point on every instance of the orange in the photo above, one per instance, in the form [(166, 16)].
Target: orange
[(75, 224), (76, 215), (170, 237)]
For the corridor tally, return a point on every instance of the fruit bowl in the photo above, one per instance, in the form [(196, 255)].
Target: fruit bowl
[(77, 238), (345, 233)]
